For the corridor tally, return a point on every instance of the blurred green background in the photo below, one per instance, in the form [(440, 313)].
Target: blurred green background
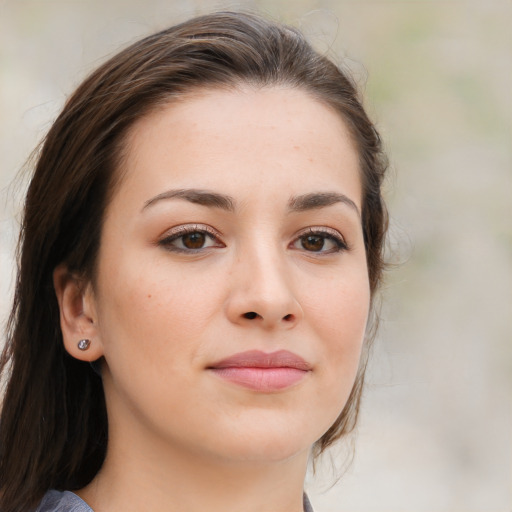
[(436, 428)]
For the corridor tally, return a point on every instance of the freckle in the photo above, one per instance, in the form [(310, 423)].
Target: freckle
[(149, 296), (296, 147)]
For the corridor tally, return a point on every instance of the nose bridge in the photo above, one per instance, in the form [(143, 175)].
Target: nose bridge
[(262, 288), (267, 275)]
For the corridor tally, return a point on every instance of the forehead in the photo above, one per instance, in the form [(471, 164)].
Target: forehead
[(244, 138)]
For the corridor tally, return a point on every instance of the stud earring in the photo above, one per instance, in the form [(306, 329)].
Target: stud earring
[(84, 344)]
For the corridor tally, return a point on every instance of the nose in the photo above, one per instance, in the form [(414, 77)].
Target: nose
[(262, 293)]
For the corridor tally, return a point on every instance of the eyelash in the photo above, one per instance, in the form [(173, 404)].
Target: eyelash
[(321, 232)]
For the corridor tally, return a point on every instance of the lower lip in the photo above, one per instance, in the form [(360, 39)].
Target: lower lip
[(261, 379)]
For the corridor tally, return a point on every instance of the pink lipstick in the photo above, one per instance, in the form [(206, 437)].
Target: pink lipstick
[(263, 372)]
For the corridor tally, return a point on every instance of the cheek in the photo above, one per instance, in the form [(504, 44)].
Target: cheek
[(339, 316), (153, 313), (153, 329), (340, 311)]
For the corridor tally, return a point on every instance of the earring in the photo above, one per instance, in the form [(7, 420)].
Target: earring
[(84, 344)]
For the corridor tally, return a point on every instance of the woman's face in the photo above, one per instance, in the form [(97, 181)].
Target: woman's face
[(232, 290)]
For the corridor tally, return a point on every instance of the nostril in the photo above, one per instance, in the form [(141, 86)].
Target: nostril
[(288, 318), (251, 315)]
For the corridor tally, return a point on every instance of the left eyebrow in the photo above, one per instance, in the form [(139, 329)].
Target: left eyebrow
[(319, 200)]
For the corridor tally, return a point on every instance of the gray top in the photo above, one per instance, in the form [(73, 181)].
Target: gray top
[(55, 501)]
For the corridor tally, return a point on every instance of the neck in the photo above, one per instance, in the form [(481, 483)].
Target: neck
[(159, 479)]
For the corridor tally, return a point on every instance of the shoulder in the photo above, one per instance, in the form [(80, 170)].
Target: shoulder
[(56, 501)]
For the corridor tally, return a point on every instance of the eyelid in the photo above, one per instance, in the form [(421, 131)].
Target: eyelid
[(317, 230), (176, 232), (183, 229), (327, 232)]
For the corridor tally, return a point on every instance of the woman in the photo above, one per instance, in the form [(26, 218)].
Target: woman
[(205, 228)]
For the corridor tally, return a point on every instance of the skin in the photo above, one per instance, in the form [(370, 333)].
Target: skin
[(160, 314)]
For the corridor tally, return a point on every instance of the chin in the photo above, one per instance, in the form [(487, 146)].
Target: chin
[(265, 451), (266, 442)]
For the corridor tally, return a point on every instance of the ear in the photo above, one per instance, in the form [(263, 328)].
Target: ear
[(78, 319)]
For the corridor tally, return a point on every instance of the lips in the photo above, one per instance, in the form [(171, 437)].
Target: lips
[(260, 371)]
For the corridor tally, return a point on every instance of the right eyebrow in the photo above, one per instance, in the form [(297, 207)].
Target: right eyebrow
[(196, 196)]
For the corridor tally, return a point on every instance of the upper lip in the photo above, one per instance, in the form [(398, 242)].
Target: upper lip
[(259, 359)]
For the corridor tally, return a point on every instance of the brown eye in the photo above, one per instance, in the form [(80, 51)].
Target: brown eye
[(313, 243), (194, 240), (190, 239), (321, 240)]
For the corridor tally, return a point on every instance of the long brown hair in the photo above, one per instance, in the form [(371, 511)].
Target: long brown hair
[(53, 427)]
